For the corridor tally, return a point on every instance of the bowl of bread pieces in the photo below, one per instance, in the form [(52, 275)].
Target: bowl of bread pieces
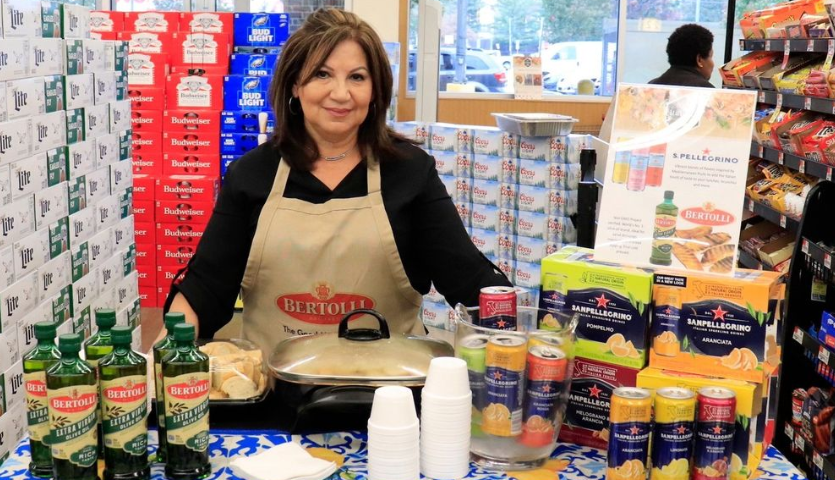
[(237, 370)]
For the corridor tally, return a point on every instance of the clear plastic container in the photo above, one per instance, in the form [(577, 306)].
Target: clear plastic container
[(238, 372), (520, 382)]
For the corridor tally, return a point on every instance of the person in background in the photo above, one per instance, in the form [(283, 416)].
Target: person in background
[(336, 212), (690, 53)]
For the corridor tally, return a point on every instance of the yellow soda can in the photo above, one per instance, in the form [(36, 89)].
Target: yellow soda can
[(504, 378), (630, 417), (672, 435)]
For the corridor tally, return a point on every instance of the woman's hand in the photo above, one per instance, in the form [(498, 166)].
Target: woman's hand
[(180, 304)]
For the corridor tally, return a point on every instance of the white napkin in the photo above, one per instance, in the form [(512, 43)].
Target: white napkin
[(288, 461)]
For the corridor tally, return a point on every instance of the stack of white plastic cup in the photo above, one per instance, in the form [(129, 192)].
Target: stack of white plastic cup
[(446, 413), (393, 436)]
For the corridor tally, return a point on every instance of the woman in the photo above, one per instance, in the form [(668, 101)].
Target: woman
[(690, 53), (337, 212)]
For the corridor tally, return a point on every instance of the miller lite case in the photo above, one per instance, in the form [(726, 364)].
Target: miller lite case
[(21, 18), (261, 29)]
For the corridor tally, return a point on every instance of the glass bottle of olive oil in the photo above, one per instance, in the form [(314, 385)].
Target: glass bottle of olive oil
[(96, 347), (161, 349), (73, 393), (35, 364), (185, 372), (123, 376)]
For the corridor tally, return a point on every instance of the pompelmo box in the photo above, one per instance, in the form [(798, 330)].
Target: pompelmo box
[(246, 93), (718, 326), (261, 29), (612, 301)]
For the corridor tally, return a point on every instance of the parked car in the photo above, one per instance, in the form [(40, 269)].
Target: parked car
[(566, 63), (483, 71)]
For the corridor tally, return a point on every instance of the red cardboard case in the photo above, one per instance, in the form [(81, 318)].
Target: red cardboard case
[(147, 163), (152, 21), (212, 22), (199, 49), (183, 212), (147, 143), (147, 98), (143, 211), (195, 92), (148, 296), (105, 21), (197, 188), (143, 187), (191, 120), (180, 233), (147, 278), (146, 254), (146, 120), (175, 255), (193, 143), (190, 164), (147, 70), (147, 42), (166, 275), (145, 232)]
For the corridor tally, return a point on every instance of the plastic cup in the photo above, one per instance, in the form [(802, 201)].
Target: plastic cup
[(393, 407), (447, 377), (459, 470), (445, 399), (415, 425)]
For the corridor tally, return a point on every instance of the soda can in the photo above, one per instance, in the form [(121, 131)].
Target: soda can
[(473, 350), (629, 426), (504, 376), (551, 301), (799, 395), (637, 178), (666, 324), (672, 436), (497, 308), (715, 421), (545, 382), (621, 171)]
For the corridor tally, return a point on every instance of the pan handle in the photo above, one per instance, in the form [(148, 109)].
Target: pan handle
[(364, 334)]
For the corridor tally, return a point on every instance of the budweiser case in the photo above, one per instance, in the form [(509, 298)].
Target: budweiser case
[(195, 92), (187, 187)]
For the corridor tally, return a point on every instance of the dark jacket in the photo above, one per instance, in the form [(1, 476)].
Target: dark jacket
[(683, 77)]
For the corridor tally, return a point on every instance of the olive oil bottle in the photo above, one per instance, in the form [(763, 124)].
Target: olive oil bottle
[(666, 214), (123, 377), (161, 349), (73, 393), (185, 372), (35, 364), (96, 347)]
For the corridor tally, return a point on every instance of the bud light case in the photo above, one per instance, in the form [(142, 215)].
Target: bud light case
[(225, 161), (253, 65), (246, 93), (237, 143), (257, 50), (247, 122), (261, 29)]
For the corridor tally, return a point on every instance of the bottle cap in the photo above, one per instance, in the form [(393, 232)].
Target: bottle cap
[(105, 318), (45, 331), (173, 318), (70, 343), (184, 332), (121, 335), (668, 195)]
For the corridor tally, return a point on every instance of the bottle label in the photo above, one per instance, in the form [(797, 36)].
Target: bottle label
[(187, 410), (665, 229), (158, 388), (124, 413), (72, 424), (37, 412)]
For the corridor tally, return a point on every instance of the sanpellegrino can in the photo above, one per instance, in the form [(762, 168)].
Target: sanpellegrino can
[(497, 308), (546, 370), (715, 421), (672, 436), (629, 426), (504, 376), (473, 350)]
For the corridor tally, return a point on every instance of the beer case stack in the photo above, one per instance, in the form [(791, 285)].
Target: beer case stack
[(67, 244), (247, 117), (177, 65)]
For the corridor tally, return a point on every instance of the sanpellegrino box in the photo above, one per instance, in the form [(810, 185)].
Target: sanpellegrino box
[(253, 65), (613, 303), (261, 29), (246, 93)]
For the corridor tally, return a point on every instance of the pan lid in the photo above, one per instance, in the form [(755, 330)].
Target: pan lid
[(360, 356)]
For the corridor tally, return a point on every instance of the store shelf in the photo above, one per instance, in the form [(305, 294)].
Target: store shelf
[(749, 261), (817, 253), (813, 347), (771, 214), (825, 463), (790, 100), (820, 45), (795, 162)]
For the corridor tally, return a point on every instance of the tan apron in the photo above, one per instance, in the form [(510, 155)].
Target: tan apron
[(311, 263)]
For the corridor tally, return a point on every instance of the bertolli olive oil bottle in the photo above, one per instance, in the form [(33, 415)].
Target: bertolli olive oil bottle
[(35, 365), (161, 349)]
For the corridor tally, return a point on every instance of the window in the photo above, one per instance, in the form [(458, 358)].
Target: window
[(146, 5), (743, 6), (576, 38)]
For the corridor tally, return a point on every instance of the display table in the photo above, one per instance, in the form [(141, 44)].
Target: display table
[(569, 462)]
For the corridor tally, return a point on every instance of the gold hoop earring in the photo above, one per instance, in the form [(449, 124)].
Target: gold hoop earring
[(290, 106)]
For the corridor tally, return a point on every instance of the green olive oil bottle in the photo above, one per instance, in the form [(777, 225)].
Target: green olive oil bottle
[(186, 384), (73, 393), (123, 376), (666, 214), (161, 349), (96, 347), (35, 364)]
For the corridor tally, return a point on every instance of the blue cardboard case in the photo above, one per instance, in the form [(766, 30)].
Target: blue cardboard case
[(261, 29), (246, 93)]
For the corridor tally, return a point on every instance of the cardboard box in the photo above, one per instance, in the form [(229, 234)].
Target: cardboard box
[(253, 65), (240, 143), (94, 55), (145, 143), (59, 237), (249, 122), (74, 59), (81, 158), (7, 276), (613, 303), (192, 142), (261, 50), (120, 116), (146, 121), (146, 255), (166, 275), (54, 93), (190, 164), (21, 18), (51, 19), (75, 126), (143, 187), (121, 52), (147, 164), (56, 165), (18, 299), (196, 188), (15, 393), (124, 233), (101, 247), (112, 275), (127, 290), (725, 326), (179, 233), (84, 291), (49, 131), (47, 56), (51, 205), (82, 226), (25, 334), (31, 252), (146, 277), (55, 275), (587, 413), (194, 92), (15, 140), (14, 58), (121, 177), (246, 93), (75, 20), (28, 176), (152, 21), (261, 29), (96, 120), (107, 150), (147, 42), (78, 91), (145, 232), (98, 185), (143, 211), (175, 255), (107, 212), (5, 185), (111, 36), (107, 21), (191, 121), (199, 69), (147, 70), (209, 22), (17, 220), (198, 49), (125, 145), (148, 296), (129, 259), (104, 87), (82, 321)]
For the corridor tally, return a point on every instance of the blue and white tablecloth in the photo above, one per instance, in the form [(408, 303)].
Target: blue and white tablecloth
[(568, 462)]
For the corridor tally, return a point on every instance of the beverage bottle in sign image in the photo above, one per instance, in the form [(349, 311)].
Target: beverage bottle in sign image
[(35, 365), (97, 347), (73, 393), (621, 171), (637, 178), (655, 165), (666, 214), (161, 349), (123, 376), (185, 373)]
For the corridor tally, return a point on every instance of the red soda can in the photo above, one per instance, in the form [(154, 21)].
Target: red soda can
[(715, 423), (497, 308), (798, 396)]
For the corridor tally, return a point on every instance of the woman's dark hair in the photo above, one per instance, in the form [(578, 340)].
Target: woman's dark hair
[(686, 42), (303, 55)]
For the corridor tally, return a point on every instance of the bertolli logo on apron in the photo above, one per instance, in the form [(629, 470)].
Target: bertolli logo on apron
[(322, 306)]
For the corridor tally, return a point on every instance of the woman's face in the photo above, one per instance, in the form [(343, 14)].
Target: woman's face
[(336, 100), (705, 64)]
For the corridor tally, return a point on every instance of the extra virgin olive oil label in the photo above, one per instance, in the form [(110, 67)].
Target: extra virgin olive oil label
[(124, 410), (158, 388), (72, 418), (37, 411), (187, 410)]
